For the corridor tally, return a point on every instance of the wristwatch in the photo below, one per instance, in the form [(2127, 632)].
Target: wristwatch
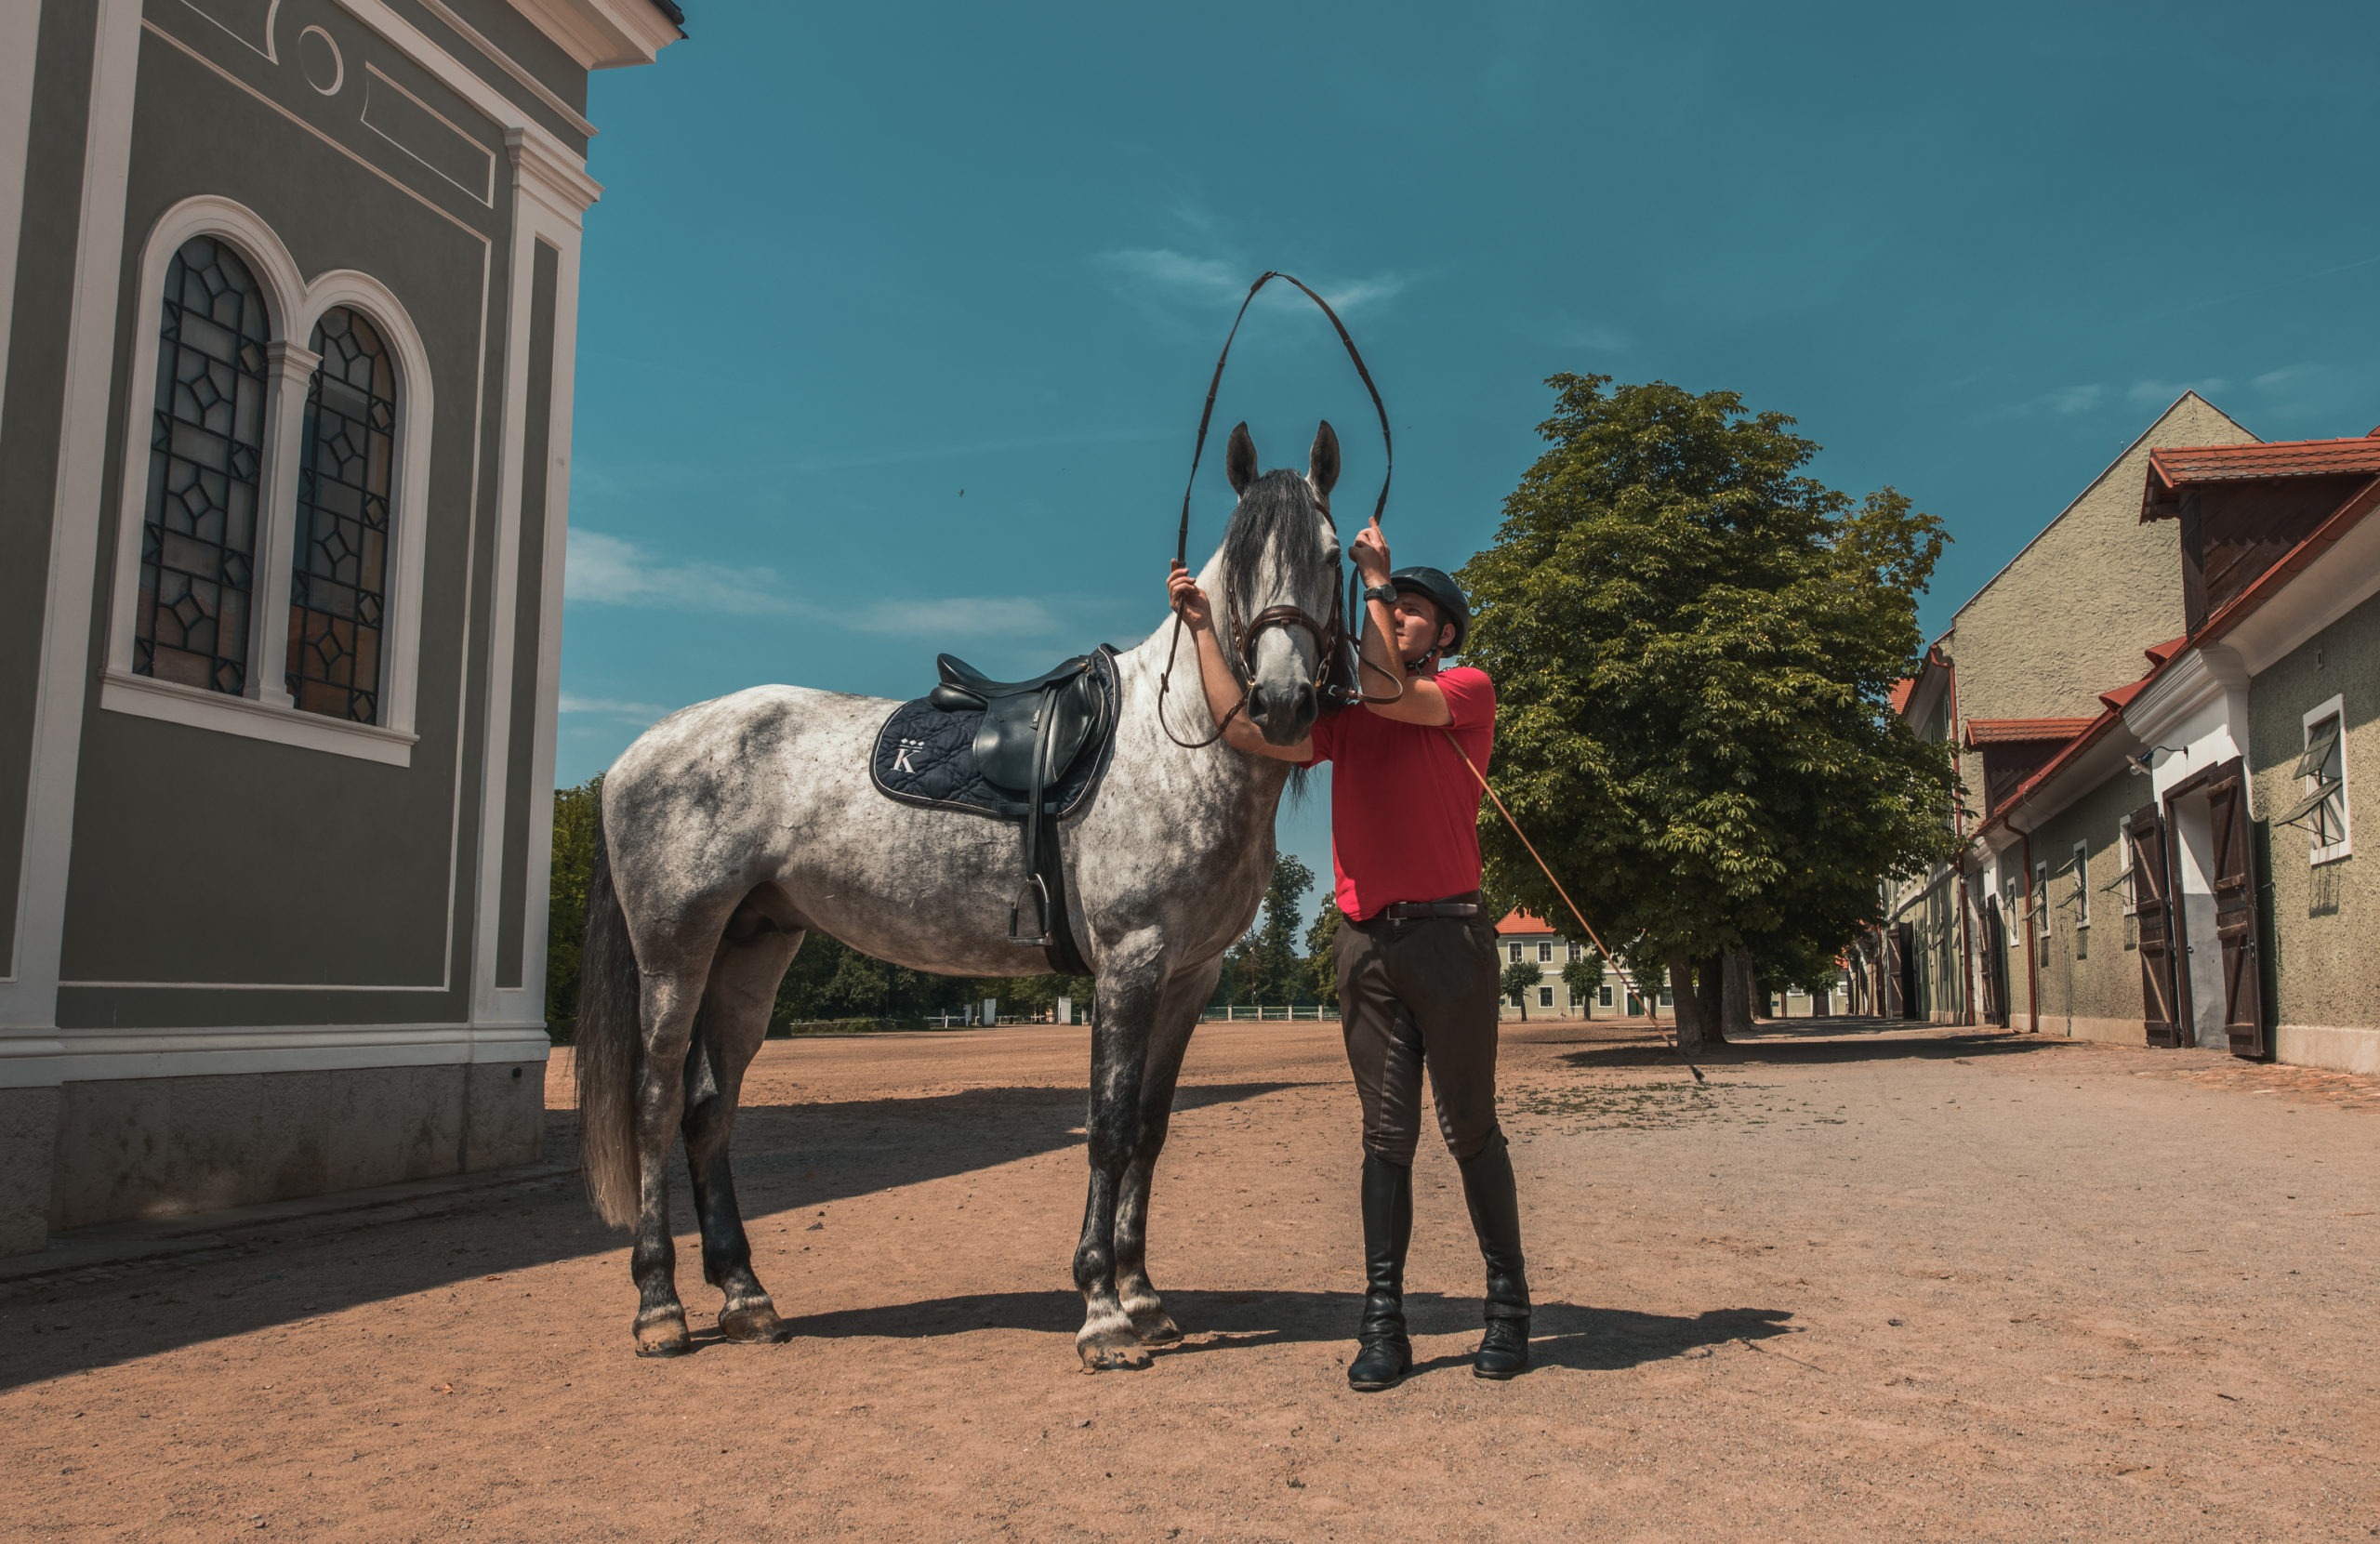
[(1385, 594)]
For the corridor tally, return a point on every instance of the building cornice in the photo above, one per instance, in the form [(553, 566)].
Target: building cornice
[(603, 34), (2195, 677), (555, 180)]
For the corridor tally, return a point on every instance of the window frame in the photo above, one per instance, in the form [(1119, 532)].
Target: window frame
[(2316, 854), (2081, 884), (1545, 997), (2037, 902), (293, 305), (1544, 952)]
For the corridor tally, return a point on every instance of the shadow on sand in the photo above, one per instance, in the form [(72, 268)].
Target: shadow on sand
[(1563, 1335), (786, 1157), (1812, 1042)]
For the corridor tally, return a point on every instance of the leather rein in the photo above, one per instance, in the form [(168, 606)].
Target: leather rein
[(1330, 636)]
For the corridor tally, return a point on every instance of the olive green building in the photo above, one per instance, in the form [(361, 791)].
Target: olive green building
[(288, 297)]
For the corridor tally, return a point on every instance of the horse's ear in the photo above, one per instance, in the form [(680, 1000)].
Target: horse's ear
[(1322, 462), (1239, 459)]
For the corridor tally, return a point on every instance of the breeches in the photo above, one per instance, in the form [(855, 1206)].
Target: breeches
[(1413, 994)]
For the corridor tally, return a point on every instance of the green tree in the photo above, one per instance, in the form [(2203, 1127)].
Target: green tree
[(1321, 945), (1693, 644), (1519, 980), (576, 821), (1583, 976), (1270, 970)]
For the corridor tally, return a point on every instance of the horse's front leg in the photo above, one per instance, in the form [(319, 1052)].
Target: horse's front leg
[(1131, 991), (1186, 998)]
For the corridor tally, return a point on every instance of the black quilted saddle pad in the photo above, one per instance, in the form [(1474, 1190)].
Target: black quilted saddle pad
[(927, 757)]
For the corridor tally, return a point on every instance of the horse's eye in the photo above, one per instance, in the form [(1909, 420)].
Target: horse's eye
[(1330, 553)]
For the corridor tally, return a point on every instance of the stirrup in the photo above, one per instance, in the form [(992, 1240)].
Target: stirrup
[(1033, 886)]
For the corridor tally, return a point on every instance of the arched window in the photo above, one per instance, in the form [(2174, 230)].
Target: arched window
[(198, 534), (338, 585)]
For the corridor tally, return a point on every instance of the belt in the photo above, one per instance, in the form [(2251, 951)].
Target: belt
[(1408, 911)]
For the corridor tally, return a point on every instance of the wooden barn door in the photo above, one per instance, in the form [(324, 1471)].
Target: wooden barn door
[(2144, 837), (1995, 964), (2235, 910), (1905, 937)]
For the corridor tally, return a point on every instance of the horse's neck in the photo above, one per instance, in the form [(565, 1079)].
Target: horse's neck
[(1248, 785)]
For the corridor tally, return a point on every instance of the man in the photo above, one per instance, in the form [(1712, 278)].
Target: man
[(1416, 960)]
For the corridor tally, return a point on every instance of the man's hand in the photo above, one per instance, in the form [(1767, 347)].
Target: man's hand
[(1371, 551), (1185, 596)]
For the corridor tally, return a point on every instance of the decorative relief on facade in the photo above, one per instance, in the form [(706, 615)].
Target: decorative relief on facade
[(409, 123), (249, 20), (198, 536)]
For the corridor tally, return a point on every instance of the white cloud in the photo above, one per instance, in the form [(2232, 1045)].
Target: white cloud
[(2074, 399), (610, 708), (2283, 379), (611, 571), (2157, 393), (959, 616), (1214, 280)]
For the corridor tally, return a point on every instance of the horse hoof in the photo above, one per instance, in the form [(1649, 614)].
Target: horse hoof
[(754, 1326), (1155, 1327), (1111, 1349), (664, 1337)]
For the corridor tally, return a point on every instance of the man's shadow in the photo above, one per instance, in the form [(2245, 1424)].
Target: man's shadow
[(1561, 1334)]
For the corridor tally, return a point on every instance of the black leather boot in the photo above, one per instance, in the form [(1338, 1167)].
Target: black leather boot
[(1382, 1353), (1496, 1218)]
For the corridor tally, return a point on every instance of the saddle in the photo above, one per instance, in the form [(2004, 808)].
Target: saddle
[(1026, 750)]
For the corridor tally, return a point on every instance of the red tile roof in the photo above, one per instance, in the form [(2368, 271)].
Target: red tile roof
[(2000, 731), (1518, 921), (2171, 468), (1901, 689)]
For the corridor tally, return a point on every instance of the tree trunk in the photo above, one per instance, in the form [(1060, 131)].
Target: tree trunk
[(1707, 999), (1735, 993), (1692, 1028)]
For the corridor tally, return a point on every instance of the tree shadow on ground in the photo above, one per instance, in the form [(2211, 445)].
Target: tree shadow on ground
[(1562, 1334), (1828, 1043), (787, 1157)]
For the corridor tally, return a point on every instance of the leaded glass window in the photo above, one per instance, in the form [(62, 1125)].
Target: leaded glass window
[(339, 583), (198, 533)]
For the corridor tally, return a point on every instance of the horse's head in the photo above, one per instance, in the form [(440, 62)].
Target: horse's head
[(1281, 583)]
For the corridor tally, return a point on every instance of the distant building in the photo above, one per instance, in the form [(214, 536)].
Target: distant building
[(288, 306)]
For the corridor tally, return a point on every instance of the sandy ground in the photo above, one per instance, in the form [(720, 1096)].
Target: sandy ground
[(1910, 1283)]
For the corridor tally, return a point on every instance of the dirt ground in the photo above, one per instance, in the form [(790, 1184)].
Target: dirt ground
[(1914, 1284)]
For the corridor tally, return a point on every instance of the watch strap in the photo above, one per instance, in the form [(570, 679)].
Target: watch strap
[(1385, 594)]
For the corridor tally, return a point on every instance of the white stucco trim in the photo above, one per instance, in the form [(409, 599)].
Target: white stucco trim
[(510, 66), (2345, 846), (29, 991), (450, 72), (20, 34), (2199, 708), (603, 34), (86, 1056), (294, 307)]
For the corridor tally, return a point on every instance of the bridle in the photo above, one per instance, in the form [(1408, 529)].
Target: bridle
[(1331, 636)]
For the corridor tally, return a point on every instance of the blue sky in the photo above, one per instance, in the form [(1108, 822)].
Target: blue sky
[(896, 320)]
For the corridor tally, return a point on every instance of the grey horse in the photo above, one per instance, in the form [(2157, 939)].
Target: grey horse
[(732, 828)]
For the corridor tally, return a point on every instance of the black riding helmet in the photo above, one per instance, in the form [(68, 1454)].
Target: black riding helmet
[(1443, 592)]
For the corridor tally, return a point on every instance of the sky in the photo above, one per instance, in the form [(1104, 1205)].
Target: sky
[(896, 320)]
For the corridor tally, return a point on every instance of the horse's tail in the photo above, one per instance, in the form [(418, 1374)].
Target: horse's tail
[(609, 1050)]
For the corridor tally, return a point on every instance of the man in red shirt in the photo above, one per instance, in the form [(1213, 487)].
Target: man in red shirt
[(1416, 960)]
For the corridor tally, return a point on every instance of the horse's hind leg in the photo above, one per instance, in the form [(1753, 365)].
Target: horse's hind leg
[(734, 1021), (1177, 1019), (668, 1001), (1131, 986)]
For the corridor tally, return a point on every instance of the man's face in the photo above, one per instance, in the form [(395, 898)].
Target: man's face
[(1418, 627)]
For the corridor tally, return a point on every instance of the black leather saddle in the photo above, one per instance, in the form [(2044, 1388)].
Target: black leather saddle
[(1026, 750)]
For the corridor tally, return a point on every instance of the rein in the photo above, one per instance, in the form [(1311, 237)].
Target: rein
[(1329, 637)]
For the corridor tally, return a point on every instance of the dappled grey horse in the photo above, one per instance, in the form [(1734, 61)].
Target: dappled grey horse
[(731, 828)]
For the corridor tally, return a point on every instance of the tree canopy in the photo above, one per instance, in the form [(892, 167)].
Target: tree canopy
[(1694, 644)]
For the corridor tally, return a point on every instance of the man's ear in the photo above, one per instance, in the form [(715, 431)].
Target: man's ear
[(1446, 636)]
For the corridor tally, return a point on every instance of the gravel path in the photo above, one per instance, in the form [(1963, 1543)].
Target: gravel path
[(1911, 1283)]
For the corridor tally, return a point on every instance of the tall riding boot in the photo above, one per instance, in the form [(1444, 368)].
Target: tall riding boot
[(1496, 1218), (1383, 1354)]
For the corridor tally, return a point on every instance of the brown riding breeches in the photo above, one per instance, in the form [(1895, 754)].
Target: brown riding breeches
[(1415, 993)]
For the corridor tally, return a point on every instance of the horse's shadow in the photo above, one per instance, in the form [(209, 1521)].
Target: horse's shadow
[(1562, 1334)]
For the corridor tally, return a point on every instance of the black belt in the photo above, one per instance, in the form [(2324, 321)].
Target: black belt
[(1411, 911)]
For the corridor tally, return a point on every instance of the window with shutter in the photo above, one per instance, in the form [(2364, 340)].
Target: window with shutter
[(2322, 807)]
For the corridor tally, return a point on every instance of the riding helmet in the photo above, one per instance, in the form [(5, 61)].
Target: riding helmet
[(1443, 593)]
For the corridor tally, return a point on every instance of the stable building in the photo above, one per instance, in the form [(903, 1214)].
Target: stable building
[(288, 300)]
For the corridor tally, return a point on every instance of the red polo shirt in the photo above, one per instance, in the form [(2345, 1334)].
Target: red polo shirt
[(1404, 810)]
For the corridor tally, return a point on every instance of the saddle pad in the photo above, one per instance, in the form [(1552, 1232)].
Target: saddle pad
[(927, 757)]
